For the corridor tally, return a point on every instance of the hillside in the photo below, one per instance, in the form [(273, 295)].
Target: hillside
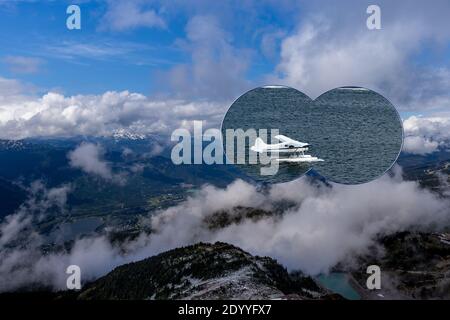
[(204, 271), (415, 265)]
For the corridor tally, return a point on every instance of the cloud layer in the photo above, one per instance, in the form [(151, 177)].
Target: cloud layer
[(325, 225), (97, 115), (124, 15)]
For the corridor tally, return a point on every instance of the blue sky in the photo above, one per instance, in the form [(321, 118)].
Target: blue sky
[(157, 65), (86, 60), (102, 57), (98, 58)]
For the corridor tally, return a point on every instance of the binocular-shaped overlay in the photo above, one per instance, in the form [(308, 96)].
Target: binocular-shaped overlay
[(348, 135)]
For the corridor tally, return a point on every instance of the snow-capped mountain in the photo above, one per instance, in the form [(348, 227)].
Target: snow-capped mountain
[(204, 271), (120, 134), (12, 144)]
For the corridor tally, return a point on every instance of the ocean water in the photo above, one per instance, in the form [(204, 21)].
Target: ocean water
[(357, 132)]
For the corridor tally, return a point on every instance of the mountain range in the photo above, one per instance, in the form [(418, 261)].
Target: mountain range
[(416, 263)]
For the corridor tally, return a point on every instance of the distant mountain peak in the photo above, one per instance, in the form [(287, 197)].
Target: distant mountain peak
[(11, 144), (120, 134)]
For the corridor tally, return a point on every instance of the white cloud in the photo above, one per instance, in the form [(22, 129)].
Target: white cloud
[(419, 145), (98, 115), (130, 14), (216, 70), (426, 134), (98, 50), (35, 208), (10, 91), (270, 41), (126, 152), (20, 64), (89, 158), (313, 61), (157, 149)]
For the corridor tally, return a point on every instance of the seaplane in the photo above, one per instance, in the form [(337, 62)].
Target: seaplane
[(294, 149)]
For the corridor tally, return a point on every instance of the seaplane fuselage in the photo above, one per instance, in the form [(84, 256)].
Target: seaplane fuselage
[(287, 145)]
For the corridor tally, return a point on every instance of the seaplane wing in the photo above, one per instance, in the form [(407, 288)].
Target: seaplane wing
[(286, 145), (295, 143)]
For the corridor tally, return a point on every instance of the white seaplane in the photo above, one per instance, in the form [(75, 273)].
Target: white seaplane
[(294, 149)]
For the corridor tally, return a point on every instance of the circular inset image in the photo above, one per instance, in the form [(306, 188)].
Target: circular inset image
[(278, 111), (276, 134), (358, 132)]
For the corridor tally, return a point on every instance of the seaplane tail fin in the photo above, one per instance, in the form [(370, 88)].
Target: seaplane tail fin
[(259, 146)]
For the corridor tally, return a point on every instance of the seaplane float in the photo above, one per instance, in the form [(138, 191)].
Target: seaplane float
[(293, 150)]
